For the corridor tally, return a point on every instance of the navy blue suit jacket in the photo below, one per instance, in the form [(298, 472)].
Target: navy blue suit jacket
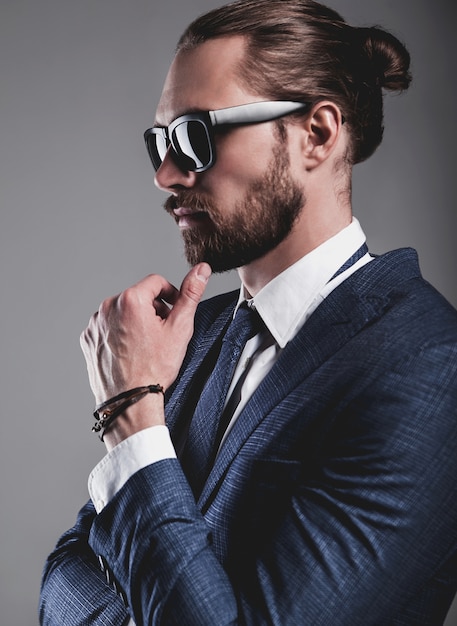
[(333, 500)]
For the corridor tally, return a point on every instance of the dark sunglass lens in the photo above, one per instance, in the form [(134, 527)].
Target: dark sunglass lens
[(192, 144), (157, 148)]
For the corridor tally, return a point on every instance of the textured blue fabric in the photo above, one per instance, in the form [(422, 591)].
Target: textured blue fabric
[(199, 447), (333, 500)]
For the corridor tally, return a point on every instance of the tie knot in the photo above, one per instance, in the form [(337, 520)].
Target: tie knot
[(246, 323)]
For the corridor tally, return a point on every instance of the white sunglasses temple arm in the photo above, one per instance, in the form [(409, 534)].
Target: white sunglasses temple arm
[(254, 112)]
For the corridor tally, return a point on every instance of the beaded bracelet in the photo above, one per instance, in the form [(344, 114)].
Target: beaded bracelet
[(106, 413)]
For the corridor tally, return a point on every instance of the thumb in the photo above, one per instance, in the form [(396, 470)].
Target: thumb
[(192, 290), (194, 284)]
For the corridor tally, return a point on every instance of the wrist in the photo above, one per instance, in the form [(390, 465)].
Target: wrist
[(119, 415), (143, 414)]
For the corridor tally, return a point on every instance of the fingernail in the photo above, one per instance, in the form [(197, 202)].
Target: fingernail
[(204, 272)]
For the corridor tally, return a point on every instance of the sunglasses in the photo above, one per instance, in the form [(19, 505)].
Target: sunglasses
[(191, 136)]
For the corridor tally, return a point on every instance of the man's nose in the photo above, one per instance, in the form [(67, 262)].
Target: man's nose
[(169, 176)]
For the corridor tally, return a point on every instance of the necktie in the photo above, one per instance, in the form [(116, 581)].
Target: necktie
[(235, 396), (198, 454)]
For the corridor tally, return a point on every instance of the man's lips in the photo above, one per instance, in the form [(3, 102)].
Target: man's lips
[(188, 218), (181, 210)]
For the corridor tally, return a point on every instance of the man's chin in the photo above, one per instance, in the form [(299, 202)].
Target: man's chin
[(221, 261), (218, 262), (218, 265)]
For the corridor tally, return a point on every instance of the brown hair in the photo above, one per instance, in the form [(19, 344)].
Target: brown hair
[(301, 50)]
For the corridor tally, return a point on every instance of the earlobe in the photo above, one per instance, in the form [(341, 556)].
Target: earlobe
[(323, 126)]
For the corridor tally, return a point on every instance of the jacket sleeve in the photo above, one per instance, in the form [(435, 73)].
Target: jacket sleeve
[(347, 535), (162, 555), (74, 590)]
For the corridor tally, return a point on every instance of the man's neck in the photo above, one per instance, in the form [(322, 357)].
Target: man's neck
[(295, 246)]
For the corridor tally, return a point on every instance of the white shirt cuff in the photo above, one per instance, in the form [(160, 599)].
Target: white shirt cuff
[(140, 450)]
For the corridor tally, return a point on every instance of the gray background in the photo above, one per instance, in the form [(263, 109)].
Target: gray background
[(81, 220)]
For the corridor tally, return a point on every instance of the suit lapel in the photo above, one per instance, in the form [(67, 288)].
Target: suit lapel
[(190, 379), (355, 303)]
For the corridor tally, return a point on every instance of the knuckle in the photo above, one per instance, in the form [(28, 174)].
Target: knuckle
[(130, 295), (128, 299), (104, 308), (193, 293)]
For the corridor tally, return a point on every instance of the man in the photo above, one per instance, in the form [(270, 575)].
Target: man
[(315, 484)]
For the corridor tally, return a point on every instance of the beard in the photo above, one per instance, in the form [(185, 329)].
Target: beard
[(258, 223)]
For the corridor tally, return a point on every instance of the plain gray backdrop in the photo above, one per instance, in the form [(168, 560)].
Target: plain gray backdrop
[(81, 220)]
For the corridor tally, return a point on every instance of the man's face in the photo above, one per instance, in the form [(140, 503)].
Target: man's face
[(247, 203)]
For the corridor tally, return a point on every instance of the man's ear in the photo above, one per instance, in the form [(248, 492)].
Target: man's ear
[(323, 132)]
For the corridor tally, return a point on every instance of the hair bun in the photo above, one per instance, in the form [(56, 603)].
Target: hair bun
[(387, 59)]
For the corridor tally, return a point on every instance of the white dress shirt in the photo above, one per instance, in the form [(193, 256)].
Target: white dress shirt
[(284, 305)]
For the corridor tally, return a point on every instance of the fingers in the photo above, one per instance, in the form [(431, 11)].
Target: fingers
[(194, 284), (191, 292), (166, 298), (156, 290), (146, 291), (143, 333), (152, 293), (162, 308), (156, 294)]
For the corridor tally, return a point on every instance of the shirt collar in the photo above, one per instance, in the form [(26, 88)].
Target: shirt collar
[(287, 300)]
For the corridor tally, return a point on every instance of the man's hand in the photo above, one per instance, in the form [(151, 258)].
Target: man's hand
[(140, 338)]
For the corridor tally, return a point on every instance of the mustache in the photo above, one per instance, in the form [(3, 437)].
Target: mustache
[(190, 200)]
